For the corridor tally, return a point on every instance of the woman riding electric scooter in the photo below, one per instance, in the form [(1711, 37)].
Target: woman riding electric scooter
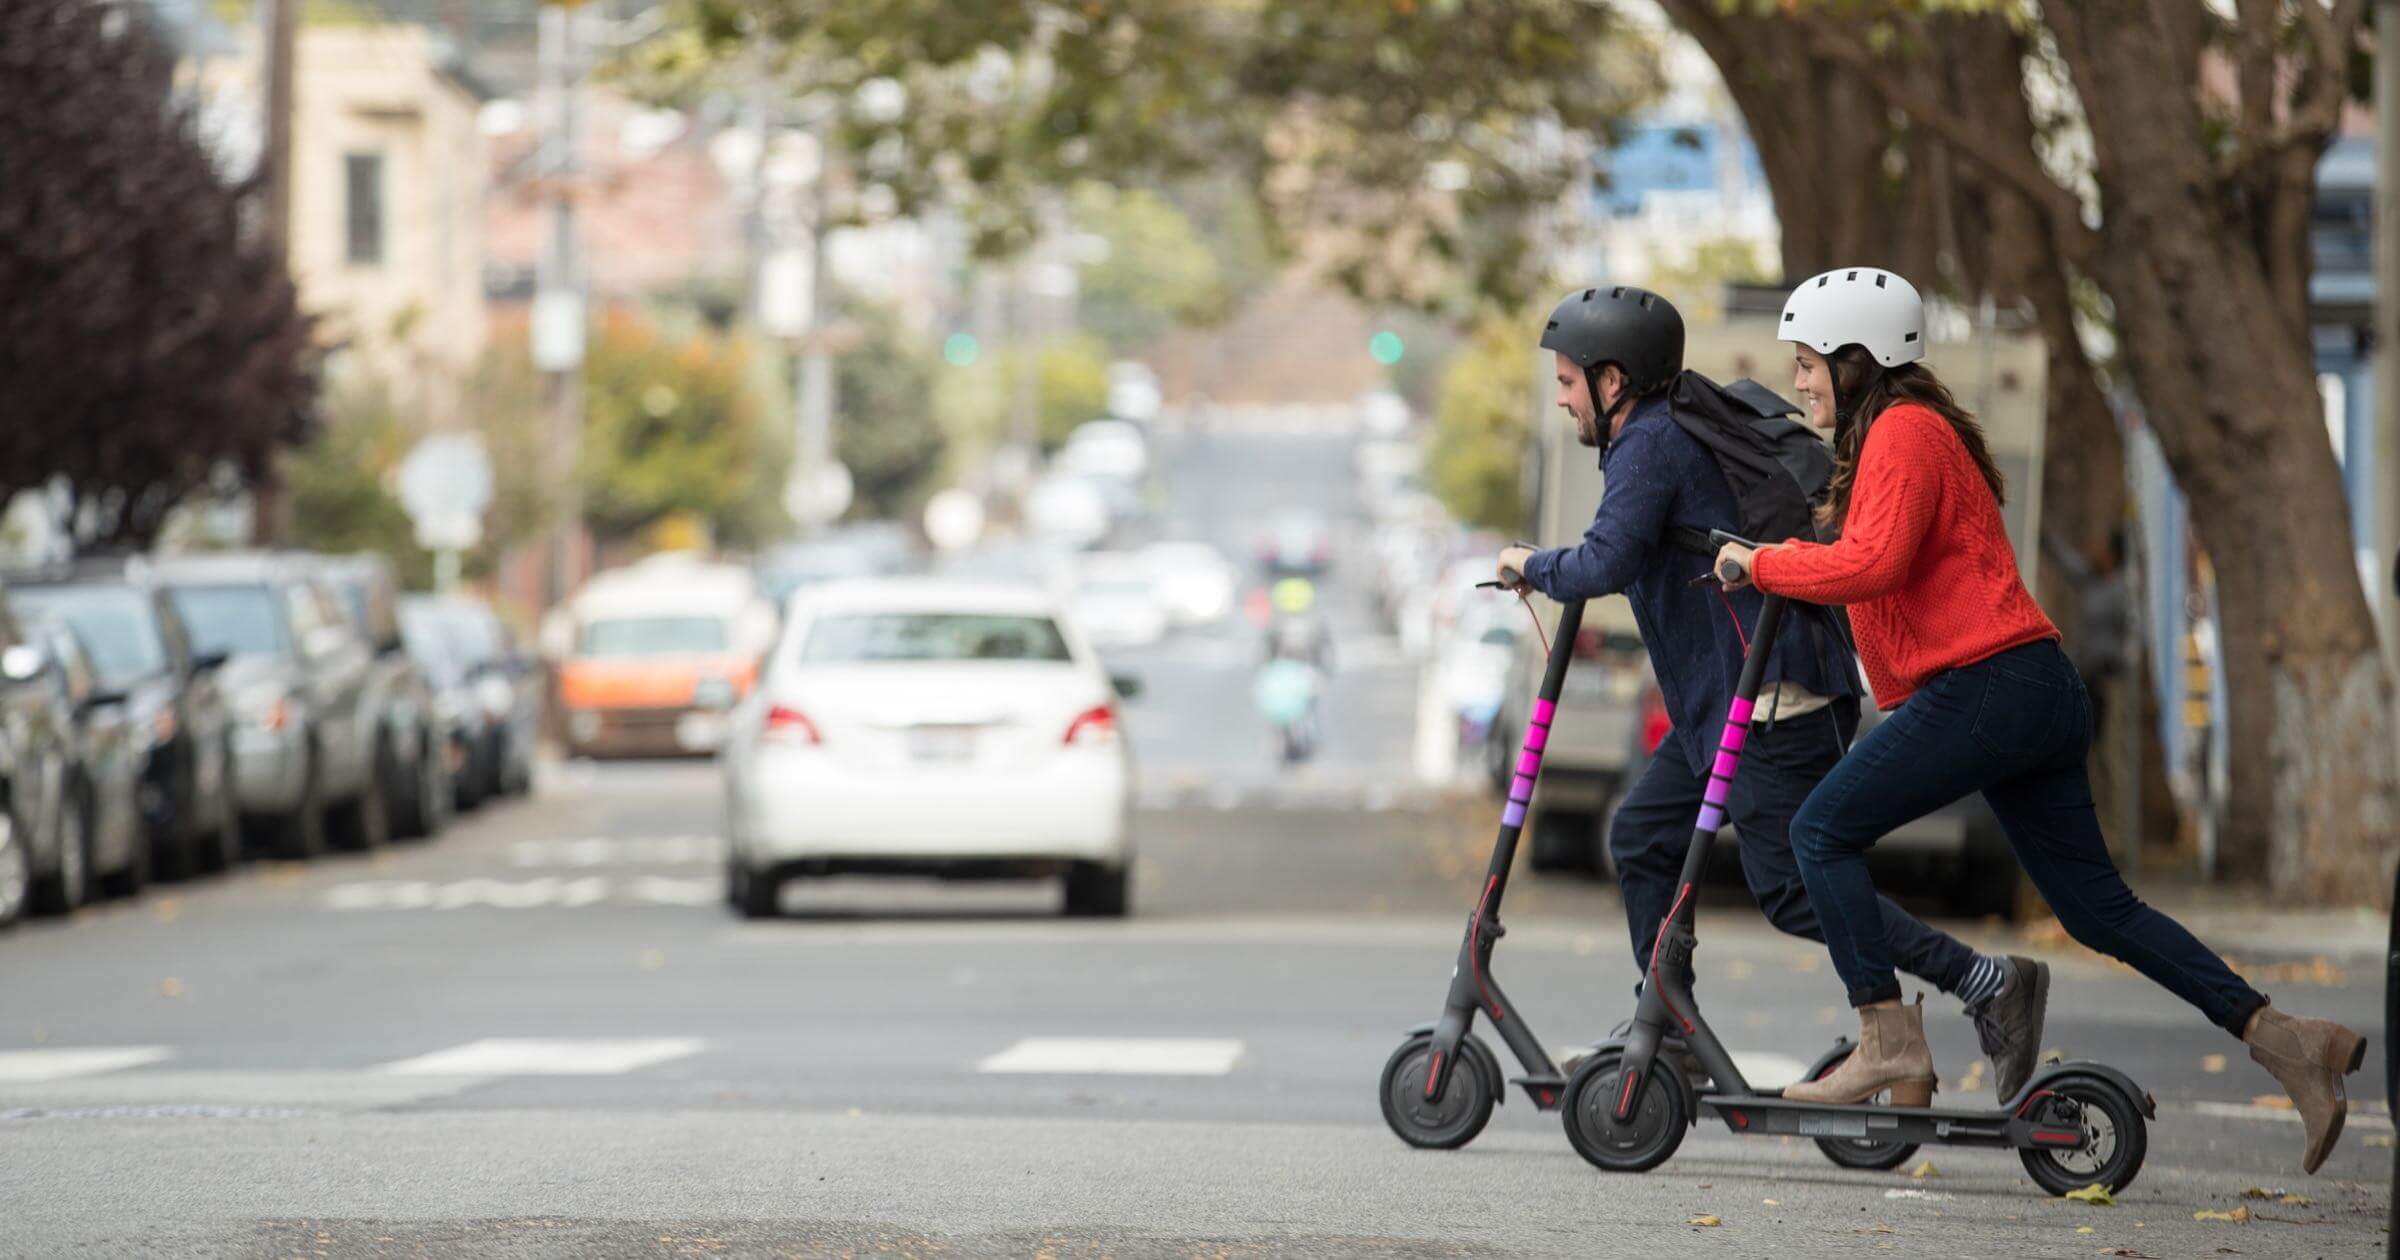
[(1983, 699)]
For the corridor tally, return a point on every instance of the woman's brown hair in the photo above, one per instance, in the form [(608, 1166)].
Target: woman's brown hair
[(1857, 375)]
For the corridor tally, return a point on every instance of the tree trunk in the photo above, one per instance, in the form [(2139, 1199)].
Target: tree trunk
[(2221, 354)]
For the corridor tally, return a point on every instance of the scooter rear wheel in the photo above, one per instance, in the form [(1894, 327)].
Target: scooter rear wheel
[(1465, 1106), (2115, 1137), (1648, 1137), (1854, 1152)]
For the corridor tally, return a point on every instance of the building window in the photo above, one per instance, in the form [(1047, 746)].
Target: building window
[(362, 184)]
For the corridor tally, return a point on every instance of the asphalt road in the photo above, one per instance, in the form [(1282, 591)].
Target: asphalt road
[(543, 1035)]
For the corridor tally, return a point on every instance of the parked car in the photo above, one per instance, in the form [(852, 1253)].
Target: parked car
[(503, 695), (102, 840), (426, 633), (305, 761), (1117, 601), (652, 656), (139, 648), (929, 727), (39, 825), (407, 749)]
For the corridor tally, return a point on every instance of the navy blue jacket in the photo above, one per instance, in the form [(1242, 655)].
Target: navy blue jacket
[(1659, 476)]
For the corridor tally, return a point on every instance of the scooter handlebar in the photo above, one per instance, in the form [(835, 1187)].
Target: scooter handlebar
[(1729, 572)]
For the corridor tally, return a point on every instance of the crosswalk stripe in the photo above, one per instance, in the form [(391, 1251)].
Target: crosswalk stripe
[(66, 1062), (505, 1056), (1115, 1056)]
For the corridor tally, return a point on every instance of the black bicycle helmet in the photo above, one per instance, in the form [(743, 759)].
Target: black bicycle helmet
[(1639, 331)]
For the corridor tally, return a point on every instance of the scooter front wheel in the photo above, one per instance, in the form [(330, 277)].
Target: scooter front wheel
[(1645, 1139), (1464, 1107)]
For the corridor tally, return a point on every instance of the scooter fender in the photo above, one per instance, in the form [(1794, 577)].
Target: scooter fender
[(2083, 1067), (1491, 1064), (1691, 1094)]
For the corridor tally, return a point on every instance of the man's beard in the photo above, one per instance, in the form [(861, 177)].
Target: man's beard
[(1587, 430)]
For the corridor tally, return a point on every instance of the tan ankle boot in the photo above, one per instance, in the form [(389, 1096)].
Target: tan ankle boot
[(2309, 1058), (1891, 1055)]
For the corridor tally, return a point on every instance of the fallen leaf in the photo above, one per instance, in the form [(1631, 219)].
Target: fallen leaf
[(2085, 1229), (1880, 1229), (2238, 1216), (2095, 1194), (2212, 1063), (2261, 1192), (2383, 1140), (2272, 1102), (1706, 1222), (170, 987), (2296, 1200), (1771, 1202), (1924, 1170)]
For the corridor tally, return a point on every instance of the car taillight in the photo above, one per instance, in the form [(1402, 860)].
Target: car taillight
[(1655, 721), (1095, 725), (787, 725)]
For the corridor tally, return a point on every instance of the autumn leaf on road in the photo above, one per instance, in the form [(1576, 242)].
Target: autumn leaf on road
[(1706, 1221), (2095, 1194), (2238, 1216)]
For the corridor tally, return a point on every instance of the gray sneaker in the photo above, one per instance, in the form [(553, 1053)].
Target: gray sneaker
[(2009, 1023)]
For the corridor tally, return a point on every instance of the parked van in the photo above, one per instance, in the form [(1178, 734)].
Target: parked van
[(652, 657)]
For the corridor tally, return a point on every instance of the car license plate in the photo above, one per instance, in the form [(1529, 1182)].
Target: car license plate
[(942, 743), (699, 732)]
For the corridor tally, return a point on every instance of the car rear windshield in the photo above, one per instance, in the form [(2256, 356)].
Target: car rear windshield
[(846, 638), (655, 636), (116, 625), (235, 620)]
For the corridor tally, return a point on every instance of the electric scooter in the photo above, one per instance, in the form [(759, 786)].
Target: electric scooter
[(1440, 1086), (1629, 1101)]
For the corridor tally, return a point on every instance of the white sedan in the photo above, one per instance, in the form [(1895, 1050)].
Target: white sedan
[(930, 727)]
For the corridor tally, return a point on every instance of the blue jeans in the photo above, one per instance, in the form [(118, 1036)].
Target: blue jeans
[(1653, 831), (2017, 728)]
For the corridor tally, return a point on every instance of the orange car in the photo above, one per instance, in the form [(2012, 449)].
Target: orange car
[(652, 657)]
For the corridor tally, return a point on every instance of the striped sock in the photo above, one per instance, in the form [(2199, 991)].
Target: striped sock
[(1984, 981)]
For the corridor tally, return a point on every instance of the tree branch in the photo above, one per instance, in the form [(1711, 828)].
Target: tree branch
[(2017, 168), (2325, 87)]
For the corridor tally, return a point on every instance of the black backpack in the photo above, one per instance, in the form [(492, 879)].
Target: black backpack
[(1778, 469)]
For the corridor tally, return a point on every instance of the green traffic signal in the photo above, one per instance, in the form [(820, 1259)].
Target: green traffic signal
[(960, 349), (1386, 348)]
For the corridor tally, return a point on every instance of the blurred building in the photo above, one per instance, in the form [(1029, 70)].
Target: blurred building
[(388, 180), (1681, 179)]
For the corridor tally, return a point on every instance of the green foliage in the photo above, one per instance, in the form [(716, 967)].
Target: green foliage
[(1418, 137), (1157, 272), (1482, 425), (672, 427), (885, 430), (976, 404), (340, 483)]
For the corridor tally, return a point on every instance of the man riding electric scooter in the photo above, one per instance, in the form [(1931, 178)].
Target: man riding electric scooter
[(1619, 352)]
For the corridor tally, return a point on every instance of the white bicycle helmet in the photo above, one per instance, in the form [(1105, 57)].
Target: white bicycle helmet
[(1864, 306)]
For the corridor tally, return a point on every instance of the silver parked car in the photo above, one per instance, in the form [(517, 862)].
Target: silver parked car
[(304, 736), (409, 753)]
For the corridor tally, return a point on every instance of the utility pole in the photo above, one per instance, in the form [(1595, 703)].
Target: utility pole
[(813, 447), (2386, 447), (270, 508), (558, 303)]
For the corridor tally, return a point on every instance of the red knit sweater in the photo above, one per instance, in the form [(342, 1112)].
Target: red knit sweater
[(1923, 560)]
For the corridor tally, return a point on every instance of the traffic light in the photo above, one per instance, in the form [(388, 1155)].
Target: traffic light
[(1386, 347), (960, 349)]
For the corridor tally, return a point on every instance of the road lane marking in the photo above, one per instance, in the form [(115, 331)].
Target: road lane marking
[(61, 1063), (508, 1056), (1116, 1056), (1765, 1070)]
